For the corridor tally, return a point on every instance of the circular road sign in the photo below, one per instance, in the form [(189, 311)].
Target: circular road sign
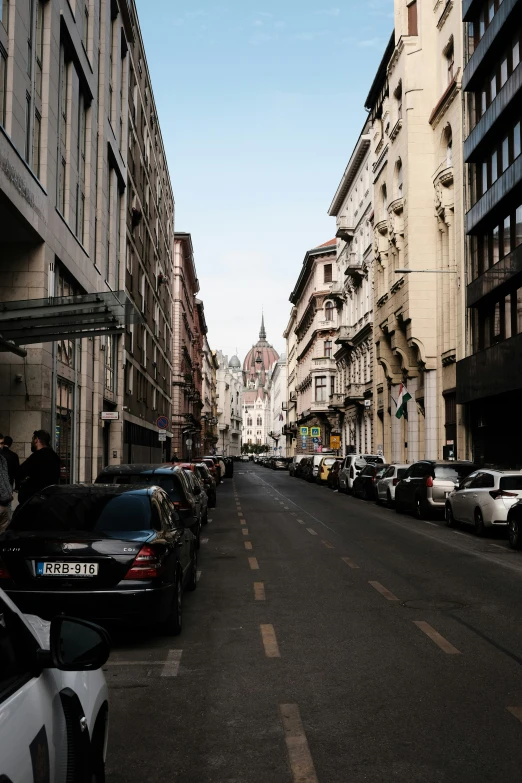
[(189, 442), (162, 422)]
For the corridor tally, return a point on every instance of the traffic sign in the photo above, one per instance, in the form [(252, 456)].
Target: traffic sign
[(335, 442), (315, 440), (304, 432), (315, 432), (162, 422), (189, 442), (162, 436)]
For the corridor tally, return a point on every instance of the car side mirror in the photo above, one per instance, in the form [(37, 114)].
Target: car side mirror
[(76, 645)]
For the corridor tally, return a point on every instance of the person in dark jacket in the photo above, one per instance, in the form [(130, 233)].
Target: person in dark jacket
[(11, 457), (39, 470)]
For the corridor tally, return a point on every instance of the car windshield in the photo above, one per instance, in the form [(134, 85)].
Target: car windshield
[(372, 458), (89, 512), (401, 472), (511, 482), (329, 461), (453, 472), (169, 483)]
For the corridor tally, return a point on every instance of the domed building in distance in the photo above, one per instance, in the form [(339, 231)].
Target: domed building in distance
[(257, 372)]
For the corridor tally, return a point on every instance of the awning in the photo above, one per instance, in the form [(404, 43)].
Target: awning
[(31, 321)]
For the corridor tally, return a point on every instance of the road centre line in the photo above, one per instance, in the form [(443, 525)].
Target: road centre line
[(248, 545), (516, 712), (436, 637), (243, 521), (383, 591), (301, 521), (198, 575), (349, 562), (327, 544), (270, 641), (204, 540), (320, 522), (311, 531), (172, 663), (134, 663), (299, 756), (259, 591), (254, 565), (245, 531)]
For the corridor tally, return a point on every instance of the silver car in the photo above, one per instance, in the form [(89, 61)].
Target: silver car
[(484, 498), (352, 466), (385, 488)]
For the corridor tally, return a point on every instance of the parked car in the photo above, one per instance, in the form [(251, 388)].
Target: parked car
[(198, 490), (352, 466), (280, 463), (514, 520), (333, 475), (213, 468), (427, 484), (209, 482), (324, 467), (483, 499), (171, 478), (54, 701), (385, 484), (103, 552), (294, 462), (220, 466), (245, 458), (364, 483), (306, 469)]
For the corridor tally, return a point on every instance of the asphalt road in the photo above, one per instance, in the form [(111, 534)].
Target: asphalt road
[(329, 641)]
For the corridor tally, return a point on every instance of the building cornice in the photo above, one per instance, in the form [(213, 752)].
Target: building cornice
[(357, 158)]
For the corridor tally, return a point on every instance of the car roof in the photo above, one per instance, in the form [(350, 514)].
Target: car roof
[(80, 490), (499, 470), (139, 468)]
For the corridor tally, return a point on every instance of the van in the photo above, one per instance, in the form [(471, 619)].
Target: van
[(352, 466)]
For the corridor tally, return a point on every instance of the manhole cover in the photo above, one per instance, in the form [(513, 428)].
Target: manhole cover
[(436, 604)]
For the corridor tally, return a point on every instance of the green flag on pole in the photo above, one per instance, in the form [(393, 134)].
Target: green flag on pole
[(402, 401)]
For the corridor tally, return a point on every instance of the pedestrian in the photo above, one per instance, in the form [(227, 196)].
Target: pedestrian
[(175, 459), (11, 457), (39, 470), (6, 495)]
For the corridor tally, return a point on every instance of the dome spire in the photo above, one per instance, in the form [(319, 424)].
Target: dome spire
[(262, 331)]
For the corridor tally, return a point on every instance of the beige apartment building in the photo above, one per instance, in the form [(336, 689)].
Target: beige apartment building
[(416, 114), (87, 214), (290, 426)]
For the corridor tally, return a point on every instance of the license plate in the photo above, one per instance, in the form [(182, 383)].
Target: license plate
[(66, 569)]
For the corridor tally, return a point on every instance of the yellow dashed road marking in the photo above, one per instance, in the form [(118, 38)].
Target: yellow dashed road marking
[(349, 562), (248, 545), (327, 544), (259, 591), (299, 756), (254, 565), (436, 637), (383, 591), (270, 641), (311, 531)]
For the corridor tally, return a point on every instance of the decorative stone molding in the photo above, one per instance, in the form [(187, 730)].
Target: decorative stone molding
[(446, 12), (396, 129)]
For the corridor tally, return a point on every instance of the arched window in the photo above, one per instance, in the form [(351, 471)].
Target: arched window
[(249, 422), (329, 311), (384, 199), (259, 421), (446, 147)]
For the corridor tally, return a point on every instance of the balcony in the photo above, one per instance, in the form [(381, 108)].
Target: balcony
[(344, 336), (354, 267), (499, 274), (484, 55), (320, 406), (325, 364), (493, 371), (346, 228), (355, 392), (336, 400), (494, 196)]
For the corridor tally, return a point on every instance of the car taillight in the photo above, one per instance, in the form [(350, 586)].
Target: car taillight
[(502, 493), (146, 565), (4, 573), (181, 506), (429, 481)]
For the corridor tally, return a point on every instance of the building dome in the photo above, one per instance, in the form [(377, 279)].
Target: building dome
[(234, 363), (260, 358)]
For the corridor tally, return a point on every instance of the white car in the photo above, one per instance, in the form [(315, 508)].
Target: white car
[(352, 466), (385, 489), (53, 698), (484, 498)]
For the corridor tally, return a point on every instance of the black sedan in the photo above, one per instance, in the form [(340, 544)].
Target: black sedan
[(103, 552), (514, 523), (364, 483)]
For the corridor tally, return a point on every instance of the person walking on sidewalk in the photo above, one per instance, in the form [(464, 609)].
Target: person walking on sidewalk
[(6, 495), (39, 470), (11, 457)]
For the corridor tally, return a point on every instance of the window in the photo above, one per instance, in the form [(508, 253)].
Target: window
[(320, 389), (37, 137), (327, 273), (85, 36), (506, 231), (30, 40), (259, 421), (39, 46), (27, 151), (63, 120), (249, 422), (449, 55), (4, 13), (412, 19), (110, 363), (400, 179), (332, 385), (328, 311), (328, 348)]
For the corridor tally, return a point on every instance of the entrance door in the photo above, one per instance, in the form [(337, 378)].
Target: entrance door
[(106, 442)]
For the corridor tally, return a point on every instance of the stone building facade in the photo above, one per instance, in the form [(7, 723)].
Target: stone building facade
[(229, 405), (278, 391), (416, 116), (80, 148), (290, 427), (257, 373), (317, 323), (353, 346)]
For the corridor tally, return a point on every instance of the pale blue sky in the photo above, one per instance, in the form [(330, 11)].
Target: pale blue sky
[(260, 105)]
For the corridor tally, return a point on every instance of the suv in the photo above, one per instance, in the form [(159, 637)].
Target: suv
[(171, 478), (427, 484), (352, 466), (364, 483), (484, 498), (292, 468)]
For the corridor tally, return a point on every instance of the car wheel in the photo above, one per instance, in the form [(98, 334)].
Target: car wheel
[(389, 500), (450, 519), (97, 762), (193, 579), (174, 621), (420, 511), (514, 537), (480, 527), (378, 501)]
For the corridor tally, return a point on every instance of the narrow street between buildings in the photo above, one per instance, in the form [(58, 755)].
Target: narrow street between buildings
[(329, 640)]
